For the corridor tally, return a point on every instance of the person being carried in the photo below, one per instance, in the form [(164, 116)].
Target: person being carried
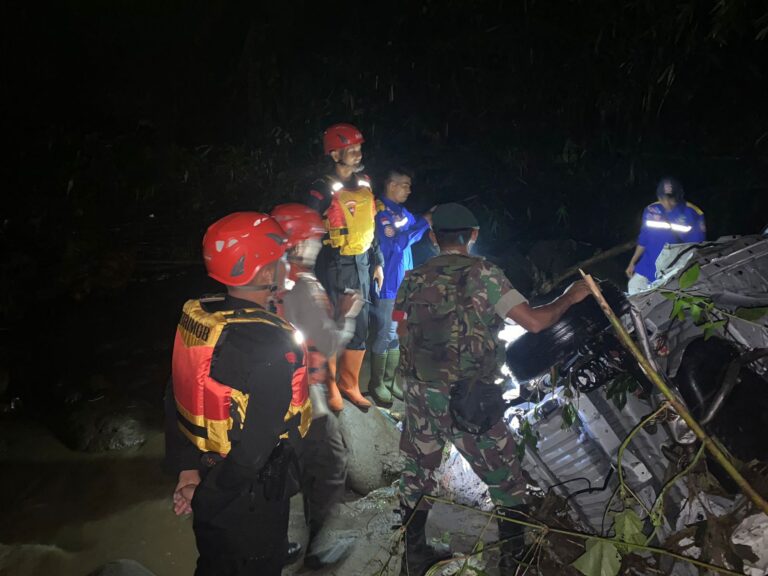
[(450, 311), (238, 405), (670, 220), (350, 257), (306, 306), (397, 230)]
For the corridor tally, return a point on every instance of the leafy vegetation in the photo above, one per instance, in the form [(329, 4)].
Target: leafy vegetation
[(701, 308)]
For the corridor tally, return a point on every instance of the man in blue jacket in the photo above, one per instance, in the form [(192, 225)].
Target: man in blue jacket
[(671, 220), (396, 230)]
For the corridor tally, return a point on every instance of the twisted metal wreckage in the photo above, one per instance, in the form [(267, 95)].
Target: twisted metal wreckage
[(602, 437)]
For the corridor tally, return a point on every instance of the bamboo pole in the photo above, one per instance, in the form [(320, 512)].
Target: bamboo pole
[(594, 259), (708, 442)]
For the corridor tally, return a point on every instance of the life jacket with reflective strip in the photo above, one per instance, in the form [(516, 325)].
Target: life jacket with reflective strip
[(350, 217), (211, 414)]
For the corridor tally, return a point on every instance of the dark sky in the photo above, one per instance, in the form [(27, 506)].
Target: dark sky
[(550, 119)]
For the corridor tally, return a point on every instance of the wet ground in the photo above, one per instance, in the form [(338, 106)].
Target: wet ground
[(67, 513)]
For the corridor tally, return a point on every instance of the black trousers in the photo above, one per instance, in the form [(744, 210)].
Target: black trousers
[(324, 469), (337, 273), (238, 532)]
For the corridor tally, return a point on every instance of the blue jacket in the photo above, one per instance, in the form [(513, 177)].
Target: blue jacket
[(684, 223), (396, 230)]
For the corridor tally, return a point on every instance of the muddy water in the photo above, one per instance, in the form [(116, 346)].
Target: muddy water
[(66, 513)]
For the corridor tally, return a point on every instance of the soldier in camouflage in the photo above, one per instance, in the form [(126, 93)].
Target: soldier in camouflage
[(450, 311)]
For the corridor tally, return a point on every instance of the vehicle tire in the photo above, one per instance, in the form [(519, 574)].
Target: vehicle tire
[(739, 424), (532, 355)]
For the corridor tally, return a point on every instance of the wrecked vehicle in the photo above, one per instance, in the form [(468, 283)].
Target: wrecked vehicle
[(704, 326)]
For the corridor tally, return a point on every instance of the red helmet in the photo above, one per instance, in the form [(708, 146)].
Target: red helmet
[(340, 136), (236, 247), (299, 222)]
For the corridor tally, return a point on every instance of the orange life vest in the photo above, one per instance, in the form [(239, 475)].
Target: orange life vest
[(211, 413), (350, 217)]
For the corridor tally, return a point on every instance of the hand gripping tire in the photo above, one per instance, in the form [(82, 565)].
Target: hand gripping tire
[(532, 355)]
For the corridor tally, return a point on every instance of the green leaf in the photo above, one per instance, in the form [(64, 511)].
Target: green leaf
[(657, 517), (669, 295), (600, 559), (751, 314), (619, 387), (570, 415), (689, 277), (529, 438), (677, 310), (696, 311), (629, 527), (710, 328)]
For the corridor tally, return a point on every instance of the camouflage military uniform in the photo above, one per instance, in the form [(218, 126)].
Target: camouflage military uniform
[(439, 350)]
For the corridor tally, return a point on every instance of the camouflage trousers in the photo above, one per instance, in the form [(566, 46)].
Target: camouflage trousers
[(428, 425)]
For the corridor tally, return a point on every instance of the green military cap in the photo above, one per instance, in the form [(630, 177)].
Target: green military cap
[(453, 216)]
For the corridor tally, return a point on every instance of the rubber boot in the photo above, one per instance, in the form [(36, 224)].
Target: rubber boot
[(378, 385), (327, 547), (418, 556), (335, 402), (391, 376), (512, 536), (349, 365)]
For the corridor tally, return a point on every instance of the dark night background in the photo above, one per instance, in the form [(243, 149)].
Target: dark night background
[(131, 126)]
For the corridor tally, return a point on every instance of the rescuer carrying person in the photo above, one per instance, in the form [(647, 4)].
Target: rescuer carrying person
[(350, 256), (238, 405)]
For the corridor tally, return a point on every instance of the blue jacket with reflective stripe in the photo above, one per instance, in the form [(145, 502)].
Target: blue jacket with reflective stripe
[(396, 229), (684, 223)]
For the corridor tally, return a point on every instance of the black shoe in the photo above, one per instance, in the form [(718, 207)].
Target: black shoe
[(292, 553), (418, 556), (512, 537)]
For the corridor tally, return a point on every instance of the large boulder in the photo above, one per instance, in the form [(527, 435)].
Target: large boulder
[(372, 441), (459, 483)]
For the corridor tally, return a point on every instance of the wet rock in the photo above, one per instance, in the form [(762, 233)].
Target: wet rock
[(372, 441), (367, 522), (103, 424), (460, 484), (122, 568)]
